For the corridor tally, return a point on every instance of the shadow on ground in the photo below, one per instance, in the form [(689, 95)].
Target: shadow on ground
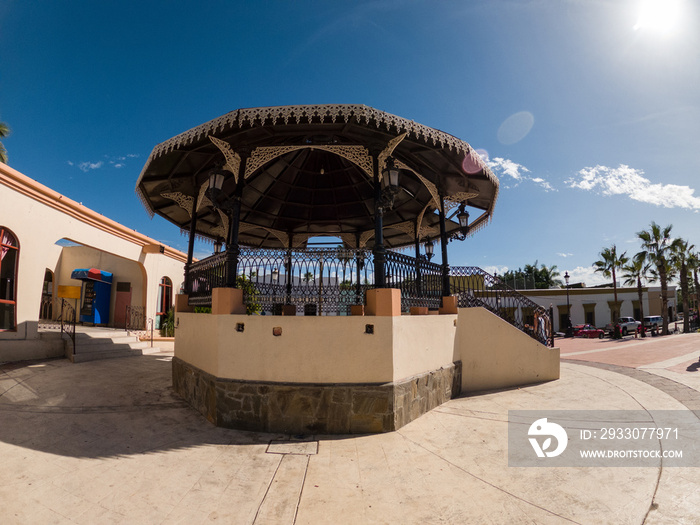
[(103, 409)]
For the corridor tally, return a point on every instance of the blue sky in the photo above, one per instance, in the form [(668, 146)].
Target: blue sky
[(589, 110)]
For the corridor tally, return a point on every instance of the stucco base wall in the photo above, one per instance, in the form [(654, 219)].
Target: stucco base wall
[(495, 354), (44, 346), (299, 349), (306, 408)]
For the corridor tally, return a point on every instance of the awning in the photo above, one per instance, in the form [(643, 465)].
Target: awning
[(91, 273)]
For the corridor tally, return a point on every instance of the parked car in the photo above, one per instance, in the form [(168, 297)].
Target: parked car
[(652, 322), (587, 330), (628, 325)]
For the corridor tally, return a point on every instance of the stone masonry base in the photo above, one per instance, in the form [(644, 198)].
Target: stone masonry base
[(303, 408)]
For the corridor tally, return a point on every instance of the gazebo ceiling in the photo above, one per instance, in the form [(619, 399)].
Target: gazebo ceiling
[(309, 171)]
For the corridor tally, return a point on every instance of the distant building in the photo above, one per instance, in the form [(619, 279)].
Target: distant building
[(44, 238), (596, 306)]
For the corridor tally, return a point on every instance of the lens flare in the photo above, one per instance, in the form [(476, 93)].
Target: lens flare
[(473, 162), (516, 127)]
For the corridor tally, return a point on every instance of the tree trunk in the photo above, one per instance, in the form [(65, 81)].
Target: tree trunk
[(641, 299), (616, 313), (664, 298), (686, 302), (697, 289)]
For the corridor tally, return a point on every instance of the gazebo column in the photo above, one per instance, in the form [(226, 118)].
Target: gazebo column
[(190, 248), (419, 286), (378, 251), (443, 247), (232, 248), (359, 261), (288, 269)]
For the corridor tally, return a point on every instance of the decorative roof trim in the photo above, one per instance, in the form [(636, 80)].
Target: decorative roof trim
[(315, 113), (358, 155), (184, 201), (233, 159)]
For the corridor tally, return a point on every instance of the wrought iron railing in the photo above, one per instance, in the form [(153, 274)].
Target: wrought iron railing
[(205, 275), (475, 287), (315, 281), (420, 281), (57, 314), (135, 318), (329, 281)]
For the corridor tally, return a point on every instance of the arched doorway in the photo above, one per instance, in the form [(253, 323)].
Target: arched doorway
[(165, 300), (46, 308), (9, 261)]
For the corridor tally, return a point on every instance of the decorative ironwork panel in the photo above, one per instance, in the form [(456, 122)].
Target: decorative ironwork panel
[(419, 280), (205, 275), (58, 314), (331, 279), (135, 318)]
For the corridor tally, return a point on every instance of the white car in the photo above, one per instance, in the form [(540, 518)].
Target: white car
[(628, 325), (653, 322)]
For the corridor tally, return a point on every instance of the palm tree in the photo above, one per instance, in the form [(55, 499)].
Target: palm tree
[(681, 252), (636, 272), (694, 266), (4, 132), (548, 277), (656, 243), (608, 264)]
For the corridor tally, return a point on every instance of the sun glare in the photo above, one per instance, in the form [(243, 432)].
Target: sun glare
[(659, 16)]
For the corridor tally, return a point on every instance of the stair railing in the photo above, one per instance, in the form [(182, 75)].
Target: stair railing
[(475, 287), (67, 320)]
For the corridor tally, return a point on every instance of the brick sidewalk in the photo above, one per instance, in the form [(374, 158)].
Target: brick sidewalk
[(631, 352)]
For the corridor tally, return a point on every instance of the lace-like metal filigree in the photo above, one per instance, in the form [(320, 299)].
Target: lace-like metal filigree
[(184, 201)]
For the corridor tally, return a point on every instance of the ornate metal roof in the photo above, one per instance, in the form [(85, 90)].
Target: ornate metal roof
[(309, 172)]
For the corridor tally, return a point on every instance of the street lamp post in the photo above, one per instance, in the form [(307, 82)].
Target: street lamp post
[(569, 329)]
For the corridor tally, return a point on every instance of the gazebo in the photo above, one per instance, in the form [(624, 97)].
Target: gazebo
[(268, 183)]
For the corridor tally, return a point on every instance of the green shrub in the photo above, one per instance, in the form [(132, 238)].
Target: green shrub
[(167, 324), (250, 292)]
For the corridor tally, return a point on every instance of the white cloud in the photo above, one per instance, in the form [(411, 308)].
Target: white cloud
[(114, 161), (585, 274), (507, 167), (631, 182), (87, 166), (500, 270), (516, 171), (565, 254), (545, 185)]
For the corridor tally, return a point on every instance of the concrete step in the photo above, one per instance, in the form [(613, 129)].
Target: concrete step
[(104, 344), (105, 354), (101, 334), (97, 341), (105, 347)]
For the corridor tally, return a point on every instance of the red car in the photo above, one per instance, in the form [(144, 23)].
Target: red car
[(587, 330)]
